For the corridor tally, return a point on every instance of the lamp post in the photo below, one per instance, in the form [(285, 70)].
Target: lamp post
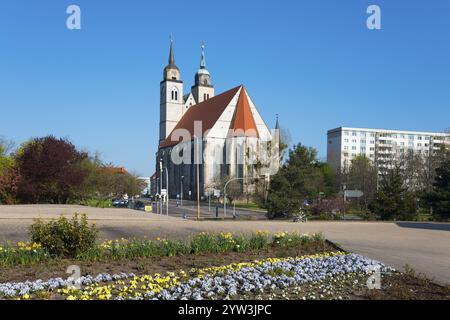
[(167, 186), (182, 178), (225, 193), (160, 181), (198, 182), (167, 191)]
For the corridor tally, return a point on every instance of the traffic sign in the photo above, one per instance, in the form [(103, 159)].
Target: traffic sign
[(353, 193)]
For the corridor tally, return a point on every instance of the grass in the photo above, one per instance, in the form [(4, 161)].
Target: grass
[(248, 205), (130, 249), (96, 203)]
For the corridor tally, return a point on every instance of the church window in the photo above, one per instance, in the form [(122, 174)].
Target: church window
[(174, 94)]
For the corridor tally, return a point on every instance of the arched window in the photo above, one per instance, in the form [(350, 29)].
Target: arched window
[(174, 94), (204, 96)]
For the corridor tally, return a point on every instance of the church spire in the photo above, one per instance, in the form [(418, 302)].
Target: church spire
[(203, 62), (171, 56), (171, 71), (202, 89), (277, 124)]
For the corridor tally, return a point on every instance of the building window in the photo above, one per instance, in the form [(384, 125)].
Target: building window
[(174, 94)]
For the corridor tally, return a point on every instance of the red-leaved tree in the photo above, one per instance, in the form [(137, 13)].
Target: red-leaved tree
[(9, 180), (50, 170)]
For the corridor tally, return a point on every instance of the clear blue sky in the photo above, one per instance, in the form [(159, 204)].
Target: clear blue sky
[(313, 62)]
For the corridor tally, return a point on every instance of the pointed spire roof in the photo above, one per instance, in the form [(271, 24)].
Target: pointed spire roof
[(243, 123), (202, 70), (171, 64), (171, 56), (203, 62), (277, 124)]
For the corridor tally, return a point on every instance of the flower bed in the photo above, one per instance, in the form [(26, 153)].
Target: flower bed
[(220, 282), (125, 249)]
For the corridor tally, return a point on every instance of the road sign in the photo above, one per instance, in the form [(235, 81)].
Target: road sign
[(163, 192), (353, 193), (216, 193), (148, 209)]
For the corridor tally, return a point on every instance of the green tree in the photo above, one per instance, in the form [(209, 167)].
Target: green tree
[(439, 197), (6, 161), (9, 176), (302, 177), (393, 201)]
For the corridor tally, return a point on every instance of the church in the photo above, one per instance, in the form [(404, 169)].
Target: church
[(204, 137)]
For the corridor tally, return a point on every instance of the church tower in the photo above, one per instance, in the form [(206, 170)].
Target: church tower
[(203, 89), (171, 99)]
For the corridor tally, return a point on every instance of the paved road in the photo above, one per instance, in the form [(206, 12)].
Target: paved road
[(424, 246), (207, 210)]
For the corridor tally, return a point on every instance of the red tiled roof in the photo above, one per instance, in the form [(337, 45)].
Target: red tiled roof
[(208, 112), (115, 170), (243, 123)]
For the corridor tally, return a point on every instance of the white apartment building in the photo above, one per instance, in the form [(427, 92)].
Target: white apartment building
[(380, 146)]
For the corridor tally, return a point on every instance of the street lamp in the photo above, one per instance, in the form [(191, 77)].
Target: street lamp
[(167, 191), (161, 169), (160, 185), (198, 181), (182, 177), (225, 193)]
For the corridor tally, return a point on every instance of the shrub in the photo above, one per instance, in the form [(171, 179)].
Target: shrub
[(64, 238), (96, 203)]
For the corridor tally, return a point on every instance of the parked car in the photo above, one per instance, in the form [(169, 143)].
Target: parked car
[(120, 203), (139, 205)]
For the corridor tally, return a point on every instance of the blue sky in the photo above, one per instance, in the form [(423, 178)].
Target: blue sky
[(314, 62)]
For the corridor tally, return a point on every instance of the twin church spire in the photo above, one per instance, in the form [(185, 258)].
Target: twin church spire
[(202, 77), (174, 101)]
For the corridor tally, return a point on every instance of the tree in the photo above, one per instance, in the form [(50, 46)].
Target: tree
[(234, 187), (50, 170), (393, 201), (9, 180), (9, 177), (301, 178), (6, 161), (439, 197), (362, 176)]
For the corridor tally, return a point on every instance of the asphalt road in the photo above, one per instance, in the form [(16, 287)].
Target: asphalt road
[(209, 211), (423, 246)]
